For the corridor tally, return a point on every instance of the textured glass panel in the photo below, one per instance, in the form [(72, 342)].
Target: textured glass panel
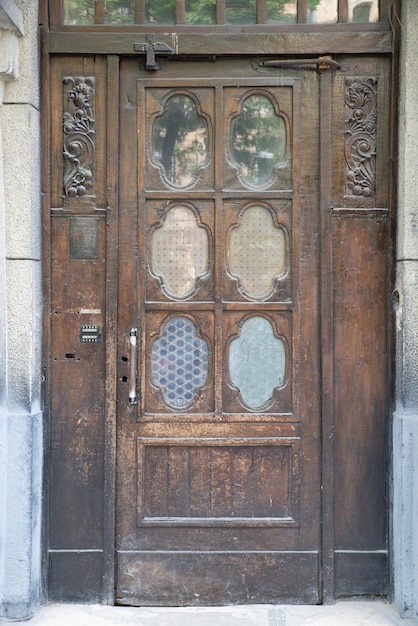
[(200, 11), (257, 252), (240, 12), (179, 362), (180, 252), (257, 362), (257, 140), (160, 11), (322, 11), (279, 11), (79, 11), (363, 12), (179, 141), (119, 11)]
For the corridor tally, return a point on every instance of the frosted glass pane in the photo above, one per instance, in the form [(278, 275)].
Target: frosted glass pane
[(322, 11), (179, 362), (257, 362), (180, 252), (257, 252), (257, 140), (180, 141)]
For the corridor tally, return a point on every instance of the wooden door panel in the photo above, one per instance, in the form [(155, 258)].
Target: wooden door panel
[(210, 460)]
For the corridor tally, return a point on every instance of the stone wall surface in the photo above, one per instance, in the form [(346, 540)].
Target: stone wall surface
[(405, 419), (20, 311)]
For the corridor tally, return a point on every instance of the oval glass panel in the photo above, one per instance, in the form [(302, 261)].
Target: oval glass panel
[(179, 362), (257, 140), (180, 141), (180, 252), (257, 252), (257, 362)]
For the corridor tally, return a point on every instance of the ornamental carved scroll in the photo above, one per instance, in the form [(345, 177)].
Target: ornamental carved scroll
[(79, 136), (360, 137)]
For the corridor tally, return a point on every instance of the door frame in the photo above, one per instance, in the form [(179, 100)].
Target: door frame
[(57, 43)]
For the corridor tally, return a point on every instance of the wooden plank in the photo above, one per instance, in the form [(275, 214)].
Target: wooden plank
[(75, 576), (252, 578), (360, 382), (326, 158), (112, 129), (361, 574), (275, 43)]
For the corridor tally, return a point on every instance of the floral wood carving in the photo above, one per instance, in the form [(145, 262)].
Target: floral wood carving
[(79, 147), (360, 137)]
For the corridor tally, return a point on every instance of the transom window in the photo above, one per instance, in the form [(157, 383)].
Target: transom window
[(217, 12)]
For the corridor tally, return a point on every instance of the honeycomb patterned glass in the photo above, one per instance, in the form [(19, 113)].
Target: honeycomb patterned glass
[(257, 362), (257, 253), (179, 362), (179, 252), (257, 141)]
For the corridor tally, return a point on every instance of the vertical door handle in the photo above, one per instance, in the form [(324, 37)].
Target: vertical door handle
[(133, 399)]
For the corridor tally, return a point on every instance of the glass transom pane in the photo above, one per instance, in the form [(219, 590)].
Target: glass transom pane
[(257, 362), (257, 252), (180, 252), (179, 362)]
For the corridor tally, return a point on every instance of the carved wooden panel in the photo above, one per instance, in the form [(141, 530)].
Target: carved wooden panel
[(79, 149), (360, 136), (246, 482)]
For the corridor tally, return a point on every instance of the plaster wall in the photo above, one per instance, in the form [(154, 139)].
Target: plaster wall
[(405, 420), (20, 311)]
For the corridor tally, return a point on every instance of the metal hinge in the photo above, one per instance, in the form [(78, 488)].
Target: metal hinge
[(151, 47), (323, 63)]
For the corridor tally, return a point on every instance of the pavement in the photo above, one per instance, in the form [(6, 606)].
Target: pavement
[(372, 613)]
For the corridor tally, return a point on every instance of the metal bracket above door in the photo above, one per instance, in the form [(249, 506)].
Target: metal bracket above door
[(151, 47)]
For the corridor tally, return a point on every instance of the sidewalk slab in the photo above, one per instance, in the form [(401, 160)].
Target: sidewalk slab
[(339, 614)]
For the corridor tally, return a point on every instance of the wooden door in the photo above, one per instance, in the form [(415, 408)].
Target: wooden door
[(219, 456)]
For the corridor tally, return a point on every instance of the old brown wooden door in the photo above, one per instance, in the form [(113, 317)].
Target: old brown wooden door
[(218, 487)]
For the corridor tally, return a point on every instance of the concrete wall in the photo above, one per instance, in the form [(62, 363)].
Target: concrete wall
[(405, 422), (20, 310)]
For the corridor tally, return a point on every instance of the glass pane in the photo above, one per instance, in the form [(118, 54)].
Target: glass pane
[(179, 141), (279, 11), (322, 11), (119, 11), (160, 11), (179, 362), (79, 11), (258, 140), (240, 12), (257, 362), (363, 12), (257, 252), (200, 11), (180, 252)]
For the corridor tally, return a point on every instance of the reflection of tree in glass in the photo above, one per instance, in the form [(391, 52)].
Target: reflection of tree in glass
[(119, 11), (164, 11), (258, 140), (179, 139)]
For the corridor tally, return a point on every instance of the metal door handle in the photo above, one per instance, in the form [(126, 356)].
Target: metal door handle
[(133, 399)]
